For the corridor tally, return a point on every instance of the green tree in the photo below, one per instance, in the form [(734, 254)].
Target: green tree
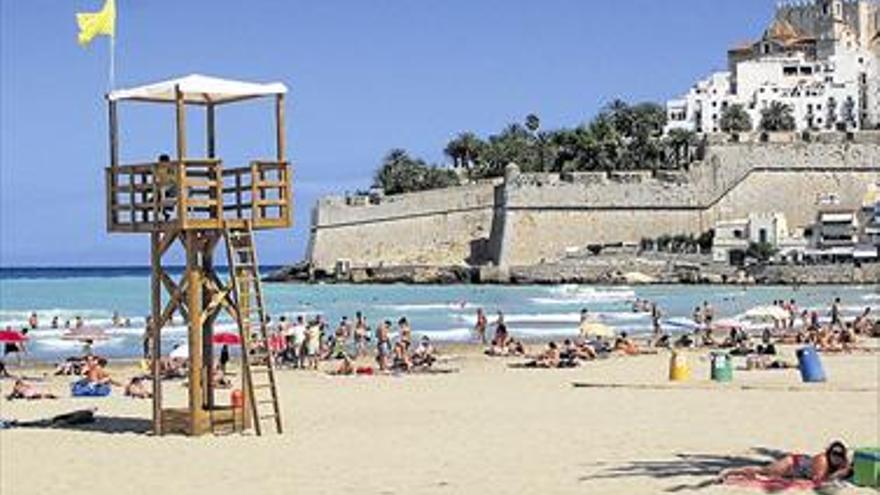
[(533, 123), (465, 150), (515, 144), (680, 144), (735, 119), (400, 173), (777, 117)]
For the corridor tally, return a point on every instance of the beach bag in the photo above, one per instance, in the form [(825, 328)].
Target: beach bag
[(84, 388)]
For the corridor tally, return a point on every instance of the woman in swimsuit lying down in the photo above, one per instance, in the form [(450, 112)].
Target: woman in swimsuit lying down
[(24, 390), (827, 466)]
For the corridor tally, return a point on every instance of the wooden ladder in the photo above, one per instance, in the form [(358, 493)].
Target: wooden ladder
[(257, 356)]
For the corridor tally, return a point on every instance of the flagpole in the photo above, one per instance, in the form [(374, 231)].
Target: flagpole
[(112, 62)]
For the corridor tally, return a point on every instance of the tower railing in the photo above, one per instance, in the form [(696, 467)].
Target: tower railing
[(197, 194)]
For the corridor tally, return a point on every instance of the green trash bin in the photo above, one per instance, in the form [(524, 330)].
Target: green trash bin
[(722, 367), (866, 467)]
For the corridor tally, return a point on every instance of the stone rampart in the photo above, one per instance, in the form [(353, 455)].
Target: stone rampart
[(530, 218)]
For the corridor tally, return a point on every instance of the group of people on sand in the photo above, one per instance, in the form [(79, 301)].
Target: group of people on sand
[(91, 374), (304, 344)]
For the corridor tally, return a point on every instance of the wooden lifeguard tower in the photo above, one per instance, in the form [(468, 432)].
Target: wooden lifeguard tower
[(198, 202)]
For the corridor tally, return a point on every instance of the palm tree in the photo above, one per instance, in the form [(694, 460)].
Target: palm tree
[(680, 142), (735, 119), (533, 123), (777, 117), (465, 149)]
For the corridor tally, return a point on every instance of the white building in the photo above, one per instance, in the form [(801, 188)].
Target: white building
[(733, 237), (819, 57)]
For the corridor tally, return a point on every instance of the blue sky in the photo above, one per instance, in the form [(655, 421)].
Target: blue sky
[(365, 76)]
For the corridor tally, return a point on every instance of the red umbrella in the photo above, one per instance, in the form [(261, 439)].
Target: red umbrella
[(12, 336), (227, 338)]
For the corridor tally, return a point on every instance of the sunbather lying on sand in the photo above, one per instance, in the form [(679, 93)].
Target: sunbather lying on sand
[(766, 362), (550, 358), (830, 465), (23, 390), (346, 367), (626, 345), (137, 389)]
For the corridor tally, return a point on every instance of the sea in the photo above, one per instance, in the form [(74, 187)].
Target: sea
[(444, 313)]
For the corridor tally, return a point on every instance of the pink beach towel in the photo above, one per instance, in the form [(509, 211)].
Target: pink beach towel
[(771, 485)]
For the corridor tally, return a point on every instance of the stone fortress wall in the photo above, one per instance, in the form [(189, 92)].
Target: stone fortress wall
[(532, 218)]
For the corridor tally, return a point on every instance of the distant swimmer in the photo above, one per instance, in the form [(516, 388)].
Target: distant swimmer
[(33, 322)]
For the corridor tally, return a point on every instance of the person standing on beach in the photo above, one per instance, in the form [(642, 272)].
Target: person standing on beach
[(835, 313), (298, 342), (480, 326), (145, 339), (405, 332), (224, 358), (698, 318), (383, 345), (708, 313), (501, 335), (655, 320), (15, 347), (360, 334)]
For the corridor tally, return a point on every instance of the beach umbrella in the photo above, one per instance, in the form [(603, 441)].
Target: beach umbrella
[(596, 329), (86, 334), (12, 336), (227, 338), (767, 313)]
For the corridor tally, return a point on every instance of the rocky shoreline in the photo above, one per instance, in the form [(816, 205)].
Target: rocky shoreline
[(600, 270)]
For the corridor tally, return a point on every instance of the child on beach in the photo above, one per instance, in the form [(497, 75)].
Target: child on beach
[(480, 326)]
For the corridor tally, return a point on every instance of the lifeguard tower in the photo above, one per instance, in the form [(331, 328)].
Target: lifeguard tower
[(199, 202)]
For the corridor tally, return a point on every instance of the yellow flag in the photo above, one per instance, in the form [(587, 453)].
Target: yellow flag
[(93, 24)]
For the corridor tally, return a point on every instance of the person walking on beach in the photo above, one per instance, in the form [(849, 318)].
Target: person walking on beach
[(480, 326)]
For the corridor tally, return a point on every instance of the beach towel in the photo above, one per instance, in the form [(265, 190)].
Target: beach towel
[(84, 388), (771, 484)]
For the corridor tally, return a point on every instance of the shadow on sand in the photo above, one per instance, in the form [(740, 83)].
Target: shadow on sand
[(706, 466), (101, 424)]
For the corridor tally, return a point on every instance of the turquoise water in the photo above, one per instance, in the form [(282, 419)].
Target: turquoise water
[(444, 313)]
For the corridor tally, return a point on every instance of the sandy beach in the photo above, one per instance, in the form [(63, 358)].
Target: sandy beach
[(486, 429)]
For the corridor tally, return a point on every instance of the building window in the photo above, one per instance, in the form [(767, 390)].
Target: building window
[(762, 236), (738, 234)]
